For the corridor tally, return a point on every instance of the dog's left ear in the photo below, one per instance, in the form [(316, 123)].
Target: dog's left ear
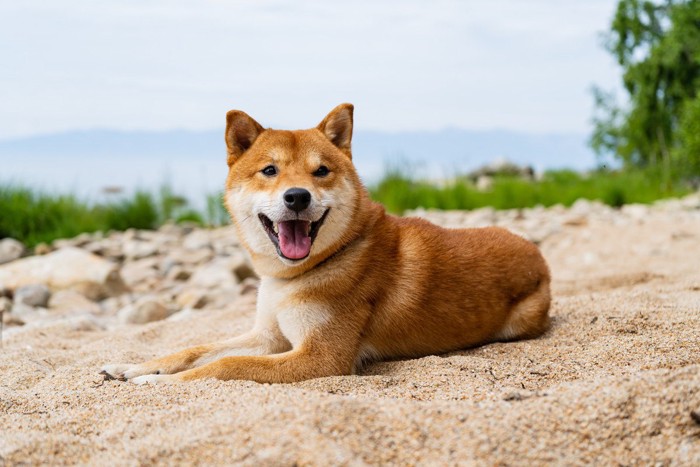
[(241, 133), (337, 127)]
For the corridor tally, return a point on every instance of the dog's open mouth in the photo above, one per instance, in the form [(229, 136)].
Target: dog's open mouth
[(293, 239)]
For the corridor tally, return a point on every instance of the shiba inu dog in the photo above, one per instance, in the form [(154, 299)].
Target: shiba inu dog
[(342, 282)]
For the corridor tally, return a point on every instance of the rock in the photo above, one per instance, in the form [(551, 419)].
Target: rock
[(137, 249), (5, 313), (581, 207), (90, 290), (479, 217), (28, 313), (110, 306), (183, 314), (185, 257), (35, 295), (197, 239), (173, 229), (220, 298), (143, 311), (139, 272), (5, 305), (62, 269), (249, 286), (635, 211), (191, 298), (216, 274), (42, 249), (10, 250), (72, 301), (484, 183), (242, 268), (85, 323), (178, 273), (503, 167)]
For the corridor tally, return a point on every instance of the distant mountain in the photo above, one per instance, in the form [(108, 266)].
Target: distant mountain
[(193, 163)]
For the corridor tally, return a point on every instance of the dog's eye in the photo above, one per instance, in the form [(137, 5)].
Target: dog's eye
[(269, 171), (321, 171)]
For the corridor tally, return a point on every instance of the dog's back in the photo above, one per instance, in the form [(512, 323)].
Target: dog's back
[(436, 290)]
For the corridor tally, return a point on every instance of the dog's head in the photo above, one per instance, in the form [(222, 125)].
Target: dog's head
[(292, 195)]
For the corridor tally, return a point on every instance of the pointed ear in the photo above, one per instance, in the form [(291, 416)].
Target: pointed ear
[(241, 133), (337, 127)]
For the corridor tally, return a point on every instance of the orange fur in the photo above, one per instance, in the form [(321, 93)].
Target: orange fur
[(373, 286)]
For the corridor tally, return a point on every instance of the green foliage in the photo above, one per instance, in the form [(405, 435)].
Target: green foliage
[(216, 211), (658, 47), (399, 191), (687, 155), (34, 217), (139, 212)]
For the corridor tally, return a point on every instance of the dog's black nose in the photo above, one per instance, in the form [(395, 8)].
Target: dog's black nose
[(297, 199)]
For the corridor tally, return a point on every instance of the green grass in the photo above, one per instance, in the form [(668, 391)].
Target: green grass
[(399, 191), (34, 217)]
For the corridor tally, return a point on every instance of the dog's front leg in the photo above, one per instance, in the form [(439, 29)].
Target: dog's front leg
[(288, 367), (259, 341), (330, 351)]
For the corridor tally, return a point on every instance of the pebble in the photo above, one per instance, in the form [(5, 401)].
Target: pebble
[(72, 301), (10, 250), (36, 295), (142, 312)]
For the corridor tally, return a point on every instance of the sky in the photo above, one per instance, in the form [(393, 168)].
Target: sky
[(525, 66)]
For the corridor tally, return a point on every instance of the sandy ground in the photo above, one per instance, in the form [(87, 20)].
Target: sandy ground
[(613, 382)]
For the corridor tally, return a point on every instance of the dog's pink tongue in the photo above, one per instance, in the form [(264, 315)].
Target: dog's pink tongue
[(295, 243)]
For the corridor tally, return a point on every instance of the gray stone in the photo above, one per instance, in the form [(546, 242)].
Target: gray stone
[(35, 295), (10, 250), (143, 311)]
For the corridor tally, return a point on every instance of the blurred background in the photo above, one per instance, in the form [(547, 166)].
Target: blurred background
[(113, 112)]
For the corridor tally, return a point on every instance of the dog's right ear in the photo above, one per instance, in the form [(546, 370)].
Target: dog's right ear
[(241, 133), (337, 127)]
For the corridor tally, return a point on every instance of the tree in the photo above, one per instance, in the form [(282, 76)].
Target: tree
[(657, 44)]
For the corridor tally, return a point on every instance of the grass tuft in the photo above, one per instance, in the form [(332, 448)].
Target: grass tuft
[(398, 191)]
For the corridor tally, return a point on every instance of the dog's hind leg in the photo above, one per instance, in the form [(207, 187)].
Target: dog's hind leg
[(529, 317)]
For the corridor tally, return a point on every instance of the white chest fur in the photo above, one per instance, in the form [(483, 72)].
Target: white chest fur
[(296, 320)]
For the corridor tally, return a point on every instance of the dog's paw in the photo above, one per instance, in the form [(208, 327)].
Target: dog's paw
[(116, 371), (124, 371), (153, 379)]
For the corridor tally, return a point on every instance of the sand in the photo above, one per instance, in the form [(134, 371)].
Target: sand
[(613, 382)]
